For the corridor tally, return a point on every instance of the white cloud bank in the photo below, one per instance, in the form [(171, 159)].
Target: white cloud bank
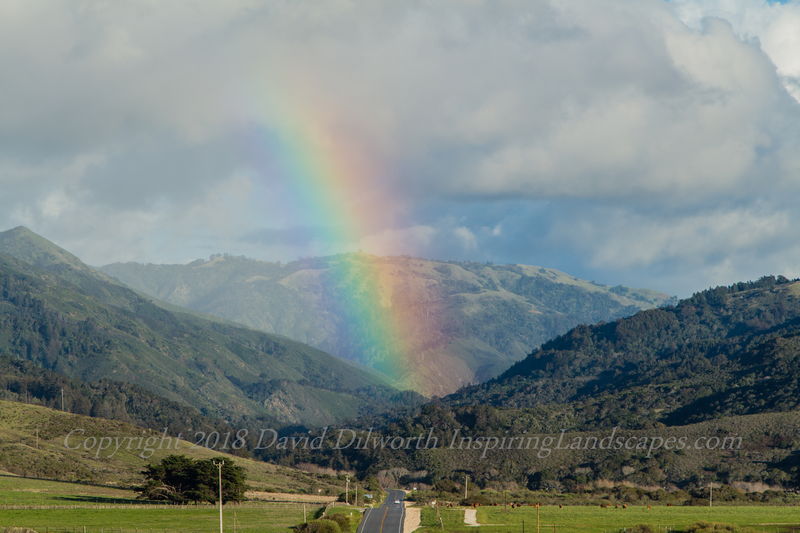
[(139, 130)]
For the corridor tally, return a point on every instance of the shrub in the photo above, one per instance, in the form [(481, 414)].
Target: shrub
[(641, 528), (322, 526), (342, 520), (710, 527), (477, 499)]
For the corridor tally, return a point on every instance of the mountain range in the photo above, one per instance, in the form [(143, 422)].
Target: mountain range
[(722, 364), (471, 320), (64, 316)]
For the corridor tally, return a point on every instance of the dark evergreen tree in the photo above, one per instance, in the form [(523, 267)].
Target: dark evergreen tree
[(181, 479)]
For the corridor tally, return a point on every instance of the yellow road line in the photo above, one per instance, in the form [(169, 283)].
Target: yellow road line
[(386, 512)]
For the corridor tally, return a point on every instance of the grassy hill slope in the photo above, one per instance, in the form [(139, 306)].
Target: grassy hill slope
[(35, 441)]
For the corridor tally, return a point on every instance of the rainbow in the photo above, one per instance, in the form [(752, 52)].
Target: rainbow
[(337, 186)]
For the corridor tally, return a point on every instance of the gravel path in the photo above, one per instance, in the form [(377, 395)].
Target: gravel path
[(471, 517)]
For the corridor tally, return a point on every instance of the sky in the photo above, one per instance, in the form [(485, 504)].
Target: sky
[(638, 142)]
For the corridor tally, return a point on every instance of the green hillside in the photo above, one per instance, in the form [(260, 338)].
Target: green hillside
[(726, 351), (751, 452), (722, 364), (36, 441), (472, 320), (23, 381), (66, 318)]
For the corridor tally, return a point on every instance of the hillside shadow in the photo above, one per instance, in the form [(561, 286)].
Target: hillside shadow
[(102, 499), (70, 482)]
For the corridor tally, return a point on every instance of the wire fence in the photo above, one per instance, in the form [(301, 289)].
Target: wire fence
[(149, 506), (81, 529)]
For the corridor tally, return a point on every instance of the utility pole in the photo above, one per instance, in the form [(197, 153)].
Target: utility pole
[(347, 490), (466, 486), (305, 518), (219, 466), (711, 494), (62, 398), (355, 502)]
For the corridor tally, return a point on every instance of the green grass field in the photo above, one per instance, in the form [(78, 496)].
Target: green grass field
[(51, 506), (21, 491), (590, 519), (262, 518), (451, 519)]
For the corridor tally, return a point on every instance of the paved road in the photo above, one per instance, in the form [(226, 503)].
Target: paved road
[(388, 518)]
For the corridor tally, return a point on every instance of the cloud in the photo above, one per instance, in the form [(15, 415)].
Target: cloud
[(774, 27), (629, 239), (399, 241), (630, 136), (466, 238)]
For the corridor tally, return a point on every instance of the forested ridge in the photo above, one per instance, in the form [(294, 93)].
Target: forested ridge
[(22, 381), (64, 317), (723, 363)]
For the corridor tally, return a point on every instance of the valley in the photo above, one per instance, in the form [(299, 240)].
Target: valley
[(454, 323)]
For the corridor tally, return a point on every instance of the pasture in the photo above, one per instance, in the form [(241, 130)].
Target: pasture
[(593, 519), (51, 506)]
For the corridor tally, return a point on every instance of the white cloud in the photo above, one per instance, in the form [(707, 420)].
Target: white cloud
[(146, 130), (775, 27), (629, 239), (398, 241), (686, 252), (467, 239)]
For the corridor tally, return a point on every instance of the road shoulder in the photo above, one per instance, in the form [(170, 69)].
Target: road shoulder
[(412, 519)]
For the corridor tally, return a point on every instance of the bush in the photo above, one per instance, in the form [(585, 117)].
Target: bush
[(342, 520), (709, 527), (477, 499), (320, 526), (641, 528)]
